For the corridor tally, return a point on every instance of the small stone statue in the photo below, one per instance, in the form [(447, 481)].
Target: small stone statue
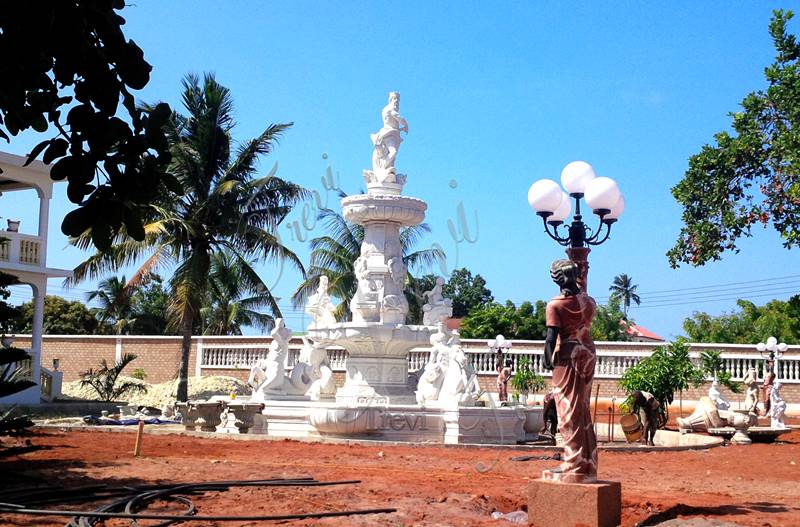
[(448, 378), (751, 391), (387, 142), (570, 353), (320, 307), (437, 308), (715, 395), (777, 407)]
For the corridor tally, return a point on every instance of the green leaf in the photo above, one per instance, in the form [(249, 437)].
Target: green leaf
[(36, 151)]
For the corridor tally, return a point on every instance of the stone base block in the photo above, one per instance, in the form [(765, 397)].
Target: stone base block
[(569, 504)]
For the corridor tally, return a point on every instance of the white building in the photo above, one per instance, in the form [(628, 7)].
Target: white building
[(24, 255)]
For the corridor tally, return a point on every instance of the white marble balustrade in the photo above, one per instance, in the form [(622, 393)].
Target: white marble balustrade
[(613, 358)]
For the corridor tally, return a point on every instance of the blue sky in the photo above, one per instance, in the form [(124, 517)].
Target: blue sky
[(497, 95)]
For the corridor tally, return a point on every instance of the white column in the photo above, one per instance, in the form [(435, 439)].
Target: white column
[(39, 291), (198, 359), (44, 216), (118, 349)]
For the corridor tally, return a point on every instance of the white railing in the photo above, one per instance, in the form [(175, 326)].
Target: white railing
[(613, 359), (20, 248)]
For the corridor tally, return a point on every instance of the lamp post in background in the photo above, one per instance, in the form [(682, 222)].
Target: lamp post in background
[(772, 351), (554, 204), (500, 346)]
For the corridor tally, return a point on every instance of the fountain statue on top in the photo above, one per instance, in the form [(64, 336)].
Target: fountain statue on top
[(387, 142), (378, 340)]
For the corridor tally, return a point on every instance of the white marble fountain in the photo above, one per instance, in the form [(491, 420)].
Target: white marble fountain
[(379, 399)]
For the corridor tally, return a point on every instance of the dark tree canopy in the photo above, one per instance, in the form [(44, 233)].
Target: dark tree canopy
[(750, 177), (466, 292), (526, 322), (61, 317), (67, 64), (753, 324)]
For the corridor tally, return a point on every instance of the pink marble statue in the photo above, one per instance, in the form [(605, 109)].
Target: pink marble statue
[(570, 352)]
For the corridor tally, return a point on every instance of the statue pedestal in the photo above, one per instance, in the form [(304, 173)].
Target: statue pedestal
[(596, 504)]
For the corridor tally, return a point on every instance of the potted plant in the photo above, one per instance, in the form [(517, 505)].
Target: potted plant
[(13, 225), (525, 380)]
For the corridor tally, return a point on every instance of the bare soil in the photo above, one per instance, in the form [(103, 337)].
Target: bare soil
[(756, 485)]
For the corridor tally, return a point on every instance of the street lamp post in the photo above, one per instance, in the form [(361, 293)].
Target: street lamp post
[(500, 346), (773, 351), (554, 205)]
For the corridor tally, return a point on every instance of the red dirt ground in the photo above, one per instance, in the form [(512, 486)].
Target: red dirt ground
[(754, 485)]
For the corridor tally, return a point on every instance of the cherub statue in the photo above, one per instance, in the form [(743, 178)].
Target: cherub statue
[(437, 308), (320, 307), (715, 395)]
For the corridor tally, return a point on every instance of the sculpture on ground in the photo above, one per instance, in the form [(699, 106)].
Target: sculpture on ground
[(750, 382), (387, 142), (706, 415), (715, 395), (570, 353), (437, 308), (778, 407), (320, 307), (448, 378)]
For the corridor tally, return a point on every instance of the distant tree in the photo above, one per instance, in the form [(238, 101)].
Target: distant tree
[(752, 324), (750, 177), (466, 292), (116, 304), (68, 64), (610, 324), (526, 322), (61, 317), (150, 305), (236, 296), (415, 288), (624, 290)]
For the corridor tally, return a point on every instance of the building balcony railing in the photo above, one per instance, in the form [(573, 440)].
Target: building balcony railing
[(23, 249)]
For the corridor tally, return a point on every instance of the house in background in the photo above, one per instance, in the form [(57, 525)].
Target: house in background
[(24, 255), (640, 334)]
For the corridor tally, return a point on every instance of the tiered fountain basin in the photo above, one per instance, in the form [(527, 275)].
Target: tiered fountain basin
[(368, 208), (396, 423)]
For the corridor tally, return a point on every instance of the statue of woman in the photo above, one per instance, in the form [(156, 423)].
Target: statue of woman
[(569, 351), (751, 390), (274, 375)]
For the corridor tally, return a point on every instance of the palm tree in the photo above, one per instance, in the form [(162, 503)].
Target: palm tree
[(334, 256), (116, 306), (624, 290), (235, 298), (223, 207)]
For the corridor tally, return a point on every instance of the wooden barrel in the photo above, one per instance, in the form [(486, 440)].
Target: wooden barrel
[(631, 427)]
